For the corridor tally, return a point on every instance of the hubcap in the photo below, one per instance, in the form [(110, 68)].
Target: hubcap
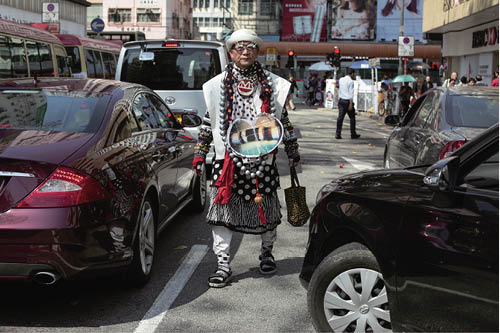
[(356, 301), (146, 238)]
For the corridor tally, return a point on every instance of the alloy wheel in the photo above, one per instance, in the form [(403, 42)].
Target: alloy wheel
[(146, 238), (356, 301)]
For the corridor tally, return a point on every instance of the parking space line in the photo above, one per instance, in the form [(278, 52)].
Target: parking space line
[(385, 135), (361, 166), (172, 289)]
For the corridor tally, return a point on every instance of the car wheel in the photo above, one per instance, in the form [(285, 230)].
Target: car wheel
[(200, 192), (144, 247), (347, 293)]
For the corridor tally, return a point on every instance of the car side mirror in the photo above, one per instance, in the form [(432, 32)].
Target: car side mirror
[(146, 56), (442, 175), (392, 120), (190, 120)]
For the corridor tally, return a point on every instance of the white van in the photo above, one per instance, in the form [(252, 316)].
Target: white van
[(175, 69)]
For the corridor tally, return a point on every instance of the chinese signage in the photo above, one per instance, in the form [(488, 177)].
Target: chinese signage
[(405, 46), (304, 20), (389, 15), (148, 2), (50, 12)]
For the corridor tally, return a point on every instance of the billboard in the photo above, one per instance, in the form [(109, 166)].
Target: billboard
[(388, 19), (304, 21), (354, 19)]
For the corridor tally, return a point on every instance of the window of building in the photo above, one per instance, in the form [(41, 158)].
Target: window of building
[(119, 15), (245, 7), (267, 7), (148, 14)]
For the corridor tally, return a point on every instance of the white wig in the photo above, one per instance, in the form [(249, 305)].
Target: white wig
[(243, 35)]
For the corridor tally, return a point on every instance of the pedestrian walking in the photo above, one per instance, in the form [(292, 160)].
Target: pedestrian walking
[(426, 85), (346, 105), (293, 86), (494, 82), (453, 76), (243, 197), (480, 82), (406, 93)]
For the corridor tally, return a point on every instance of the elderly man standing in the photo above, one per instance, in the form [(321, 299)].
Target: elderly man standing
[(427, 85), (454, 76), (346, 105), (243, 197)]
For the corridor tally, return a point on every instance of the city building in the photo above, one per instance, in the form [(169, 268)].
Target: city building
[(470, 35), (218, 18), (94, 11), (68, 16), (157, 19), (213, 18)]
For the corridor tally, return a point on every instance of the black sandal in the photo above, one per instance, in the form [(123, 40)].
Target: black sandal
[(220, 277), (267, 264)]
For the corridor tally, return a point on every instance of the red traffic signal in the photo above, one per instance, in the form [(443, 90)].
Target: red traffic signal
[(291, 53), (336, 50)]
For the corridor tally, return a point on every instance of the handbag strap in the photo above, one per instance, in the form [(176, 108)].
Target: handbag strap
[(293, 177)]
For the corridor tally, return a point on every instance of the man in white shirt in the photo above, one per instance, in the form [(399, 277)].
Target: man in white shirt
[(346, 105)]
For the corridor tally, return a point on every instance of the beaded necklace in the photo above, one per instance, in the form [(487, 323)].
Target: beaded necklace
[(252, 167)]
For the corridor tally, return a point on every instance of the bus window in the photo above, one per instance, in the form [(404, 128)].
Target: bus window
[(19, 65), (76, 62), (33, 58), (109, 65), (99, 73), (5, 58), (90, 61), (46, 59), (61, 61)]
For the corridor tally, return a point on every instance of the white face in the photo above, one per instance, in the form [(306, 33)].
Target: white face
[(244, 54)]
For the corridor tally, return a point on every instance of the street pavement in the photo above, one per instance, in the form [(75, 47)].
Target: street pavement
[(177, 297)]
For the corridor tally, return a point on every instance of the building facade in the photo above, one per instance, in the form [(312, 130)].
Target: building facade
[(213, 18), (157, 19), (71, 14), (470, 34)]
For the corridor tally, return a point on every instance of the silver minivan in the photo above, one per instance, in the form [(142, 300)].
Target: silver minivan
[(175, 69)]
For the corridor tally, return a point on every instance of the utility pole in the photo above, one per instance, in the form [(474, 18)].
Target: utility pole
[(401, 32)]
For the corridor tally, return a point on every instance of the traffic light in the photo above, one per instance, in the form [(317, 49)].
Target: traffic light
[(336, 57), (291, 56), (329, 58)]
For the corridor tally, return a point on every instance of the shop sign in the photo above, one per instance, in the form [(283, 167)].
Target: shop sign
[(450, 4), (485, 37)]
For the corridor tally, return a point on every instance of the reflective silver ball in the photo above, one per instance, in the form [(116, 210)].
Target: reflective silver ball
[(259, 174), (239, 164), (243, 168), (252, 175), (247, 172), (231, 155), (235, 160), (261, 167)]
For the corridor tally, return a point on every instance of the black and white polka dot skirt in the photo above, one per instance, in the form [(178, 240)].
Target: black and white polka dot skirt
[(241, 213)]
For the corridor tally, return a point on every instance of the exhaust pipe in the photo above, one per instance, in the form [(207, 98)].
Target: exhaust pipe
[(46, 278)]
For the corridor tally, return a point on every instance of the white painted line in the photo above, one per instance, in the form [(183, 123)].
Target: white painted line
[(173, 288), (385, 135), (361, 166)]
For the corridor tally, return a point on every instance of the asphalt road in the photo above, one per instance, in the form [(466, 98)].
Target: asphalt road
[(177, 297)]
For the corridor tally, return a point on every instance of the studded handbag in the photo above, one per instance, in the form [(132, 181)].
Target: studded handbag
[(295, 198)]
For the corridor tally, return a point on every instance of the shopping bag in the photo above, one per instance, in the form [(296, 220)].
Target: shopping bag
[(296, 205)]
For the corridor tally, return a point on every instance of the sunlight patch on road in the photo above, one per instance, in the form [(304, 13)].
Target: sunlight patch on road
[(359, 165)]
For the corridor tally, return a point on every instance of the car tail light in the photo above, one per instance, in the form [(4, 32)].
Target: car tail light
[(65, 187), (171, 43), (450, 148)]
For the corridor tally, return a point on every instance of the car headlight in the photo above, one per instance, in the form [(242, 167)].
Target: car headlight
[(325, 190)]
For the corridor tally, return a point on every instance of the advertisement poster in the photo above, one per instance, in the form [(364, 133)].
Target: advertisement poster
[(330, 100), (304, 21), (354, 19), (388, 19)]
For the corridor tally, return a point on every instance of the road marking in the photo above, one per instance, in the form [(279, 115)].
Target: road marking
[(173, 288), (377, 132), (361, 166)]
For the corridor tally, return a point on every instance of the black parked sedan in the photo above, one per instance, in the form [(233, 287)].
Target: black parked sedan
[(411, 249), (90, 172), (440, 122)]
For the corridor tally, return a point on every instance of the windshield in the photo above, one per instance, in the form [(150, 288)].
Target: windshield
[(172, 68), (60, 111), (472, 111)]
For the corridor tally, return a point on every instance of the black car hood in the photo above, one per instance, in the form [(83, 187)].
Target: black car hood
[(385, 184)]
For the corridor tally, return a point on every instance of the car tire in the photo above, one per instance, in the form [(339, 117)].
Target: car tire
[(141, 267), (199, 192), (352, 266)]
